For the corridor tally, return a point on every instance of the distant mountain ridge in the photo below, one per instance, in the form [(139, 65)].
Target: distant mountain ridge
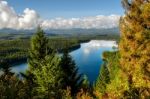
[(66, 31)]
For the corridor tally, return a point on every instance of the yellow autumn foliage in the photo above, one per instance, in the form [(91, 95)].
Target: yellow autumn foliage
[(135, 44)]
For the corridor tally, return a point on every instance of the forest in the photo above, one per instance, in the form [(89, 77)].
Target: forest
[(125, 73)]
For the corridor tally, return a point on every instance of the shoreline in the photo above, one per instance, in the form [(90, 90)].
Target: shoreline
[(24, 60)]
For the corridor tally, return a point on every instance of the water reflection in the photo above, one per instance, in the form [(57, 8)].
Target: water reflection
[(95, 45), (19, 68), (88, 57)]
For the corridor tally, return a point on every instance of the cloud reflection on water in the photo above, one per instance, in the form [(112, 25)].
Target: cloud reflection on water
[(94, 45)]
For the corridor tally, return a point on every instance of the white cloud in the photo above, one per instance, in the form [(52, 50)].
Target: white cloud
[(9, 19), (30, 19), (100, 21)]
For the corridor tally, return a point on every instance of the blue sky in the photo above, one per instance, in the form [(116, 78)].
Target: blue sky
[(60, 14), (69, 8)]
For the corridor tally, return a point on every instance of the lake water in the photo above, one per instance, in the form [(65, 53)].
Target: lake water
[(87, 58)]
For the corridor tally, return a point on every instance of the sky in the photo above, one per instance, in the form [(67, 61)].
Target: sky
[(27, 14)]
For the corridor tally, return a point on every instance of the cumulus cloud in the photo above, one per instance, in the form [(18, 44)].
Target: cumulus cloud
[(99, 21), (30, 19), (10, 19)]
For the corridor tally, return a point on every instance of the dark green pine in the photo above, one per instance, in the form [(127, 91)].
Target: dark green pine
[(71, 76)]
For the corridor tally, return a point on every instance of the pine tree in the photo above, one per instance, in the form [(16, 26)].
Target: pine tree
[(103, 79), (30, 84), (10, 86), (135, 45), (70, 72), (5, 66), (44, 68), (49, 78), (39, 49)]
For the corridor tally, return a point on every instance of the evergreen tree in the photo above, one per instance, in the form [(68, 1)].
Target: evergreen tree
[(70, 72), (30, 84), (135, 45), (49, 79), (5, 67), (10, 86), (39, 49), (103, 79), (44, 68)]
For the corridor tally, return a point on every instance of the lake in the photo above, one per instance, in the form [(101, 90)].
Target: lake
[(87, 58)]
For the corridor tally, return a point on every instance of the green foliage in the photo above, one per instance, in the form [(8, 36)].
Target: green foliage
[(29, 81), (5, 66), (111, 82), (39, 49), (45, 68), (10, 86), (71, 78), (13, 50), (118, 80), (103, 79), (48, 78), (85, 83)]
